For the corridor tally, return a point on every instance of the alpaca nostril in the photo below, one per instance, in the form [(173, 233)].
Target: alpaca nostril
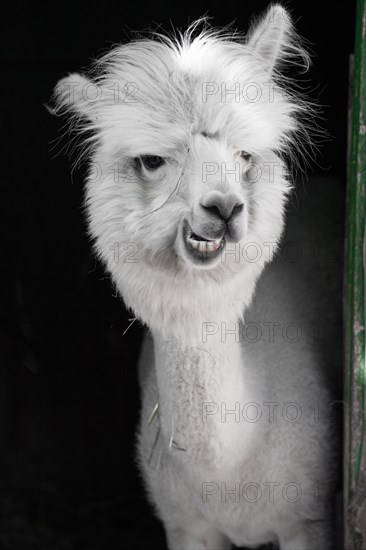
[(223, 210), (238, 208), (214, 209)]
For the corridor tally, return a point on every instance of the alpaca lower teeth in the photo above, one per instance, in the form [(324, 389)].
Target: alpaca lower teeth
[(205, 246)]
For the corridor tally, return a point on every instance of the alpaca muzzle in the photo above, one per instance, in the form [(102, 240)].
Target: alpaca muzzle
[(219, 218), (225, 210)]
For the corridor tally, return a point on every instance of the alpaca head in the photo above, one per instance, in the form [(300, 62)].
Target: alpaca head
[(187, 183)]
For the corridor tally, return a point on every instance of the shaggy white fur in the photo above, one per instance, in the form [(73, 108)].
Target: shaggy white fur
[(185, 200)]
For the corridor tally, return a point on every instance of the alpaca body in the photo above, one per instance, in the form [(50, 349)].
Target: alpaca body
[(188, 179)]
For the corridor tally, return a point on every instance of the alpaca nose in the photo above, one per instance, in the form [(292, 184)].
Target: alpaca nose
[(224, 207)]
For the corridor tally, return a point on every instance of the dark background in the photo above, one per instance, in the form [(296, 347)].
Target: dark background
[(68, 386)]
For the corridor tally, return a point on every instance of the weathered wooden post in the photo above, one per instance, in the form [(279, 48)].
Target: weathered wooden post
[(354, 302)]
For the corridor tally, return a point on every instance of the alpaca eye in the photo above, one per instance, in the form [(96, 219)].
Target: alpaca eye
[(152, 162), (246, 156)]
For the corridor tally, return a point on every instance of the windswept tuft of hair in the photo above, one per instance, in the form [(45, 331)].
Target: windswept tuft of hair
[(200, 34)]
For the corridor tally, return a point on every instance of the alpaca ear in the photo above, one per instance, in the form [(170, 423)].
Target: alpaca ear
[(271, 35), (76, 94)]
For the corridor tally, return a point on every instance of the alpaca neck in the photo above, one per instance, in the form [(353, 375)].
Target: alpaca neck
[(198, 386)]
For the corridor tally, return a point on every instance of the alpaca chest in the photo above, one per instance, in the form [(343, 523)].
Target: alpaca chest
[(242, 501)]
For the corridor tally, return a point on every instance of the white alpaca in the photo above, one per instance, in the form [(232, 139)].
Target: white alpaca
[(187, 176)]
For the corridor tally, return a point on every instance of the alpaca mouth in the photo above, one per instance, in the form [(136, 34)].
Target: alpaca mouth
[(200, 248)]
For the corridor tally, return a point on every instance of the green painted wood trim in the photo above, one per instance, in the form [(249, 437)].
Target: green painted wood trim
[(354, 301)]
